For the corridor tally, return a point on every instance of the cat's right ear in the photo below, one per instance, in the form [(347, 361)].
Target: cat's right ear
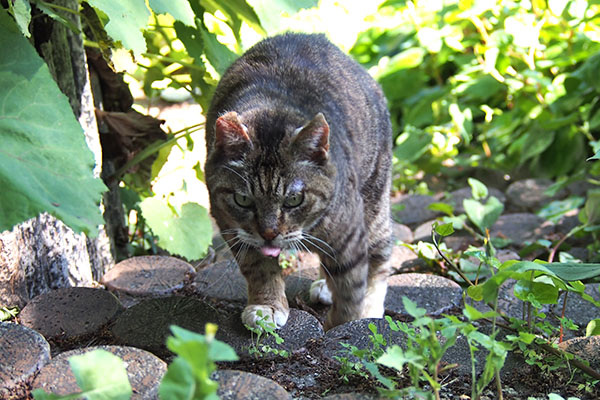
[(231, 136)]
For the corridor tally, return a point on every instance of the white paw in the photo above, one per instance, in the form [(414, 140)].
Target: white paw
[(268, 314), (320, 293)]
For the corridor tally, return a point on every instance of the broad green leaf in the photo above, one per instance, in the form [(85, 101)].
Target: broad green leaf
[(45, 164), (574, 271), (21, 11), (591, 210), (127, 19), (180, 10), (101, 375), (555, 210), (483, 215), (270, 11), (442, 207), (188, 234), (444, 230), (411, 145), (593, 328), (463, 120), (178, 382), (412, 308), (595, 156), (542, 292), (409, 58), (219, 56), (478, 189)]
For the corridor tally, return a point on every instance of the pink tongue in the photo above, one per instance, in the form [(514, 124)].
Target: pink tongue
[(270, 251)]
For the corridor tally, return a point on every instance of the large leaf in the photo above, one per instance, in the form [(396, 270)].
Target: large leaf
[(126, 21), (180, 10), (187, 234), (45, 164), (270, 11), (100, 375), (483, 215)]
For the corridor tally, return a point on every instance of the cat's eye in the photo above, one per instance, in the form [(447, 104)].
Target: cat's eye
[(243, 200), (294, 200)]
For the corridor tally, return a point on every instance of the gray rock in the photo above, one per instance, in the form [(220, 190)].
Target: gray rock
[(144, 371), (404, 259), (70, 313), (351, 396), (148, 276), (579, 310), (422, 232), (146, 325), (434, 293), (415, 209), (222, 281), (238, 385), (521, 228), (402, 233), (23, 352), (528, 194), (300, 327), (587, 348)]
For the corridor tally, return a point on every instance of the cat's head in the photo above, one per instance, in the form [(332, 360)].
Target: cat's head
[(270, 180)]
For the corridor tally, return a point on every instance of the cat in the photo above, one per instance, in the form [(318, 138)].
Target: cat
[(299, 153)]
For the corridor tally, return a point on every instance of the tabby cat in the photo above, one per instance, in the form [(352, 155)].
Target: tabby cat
[(299, 157)]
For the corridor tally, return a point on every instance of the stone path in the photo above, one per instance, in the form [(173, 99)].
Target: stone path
[(141, 297)]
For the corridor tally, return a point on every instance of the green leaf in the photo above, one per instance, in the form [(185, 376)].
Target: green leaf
[(593, 328), (411, 144), (45, 164), (7, 313), (595, 156), (541, 292), (555, 210), (270, 11), (188, 234), (574, 271), (21, 11), (442, 207), (101, 375), (412, 309), (127, 19), (483, 215), (178, 382), (409, 58), (463, 120), (444, 230), (478, 189), (219, 56), (180, 10)]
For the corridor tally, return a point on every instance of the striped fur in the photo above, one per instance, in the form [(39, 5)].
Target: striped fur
[(296, 119)]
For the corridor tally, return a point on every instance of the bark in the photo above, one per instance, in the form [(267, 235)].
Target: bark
[(43, 253)]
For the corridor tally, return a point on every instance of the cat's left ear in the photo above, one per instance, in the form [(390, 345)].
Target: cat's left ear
[(231, 135), (312, 140)]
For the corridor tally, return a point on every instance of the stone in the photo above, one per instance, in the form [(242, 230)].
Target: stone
[(587, 348), (528, 194), (456, 198), (238, 385), (148, 276), (402, 233), (521, 228), (414, 209), (404, 259), (144, 371), (350, 396), (146, 325), (434, 293), (70, 313), (300, 327), (222, 281), (422, 232), (580, 311), (23, 352)]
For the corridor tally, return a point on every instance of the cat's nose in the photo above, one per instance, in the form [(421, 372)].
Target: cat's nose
[(269, 233)]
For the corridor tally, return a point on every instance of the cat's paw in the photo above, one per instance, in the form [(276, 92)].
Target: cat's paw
[(270, 315), (320, 293)]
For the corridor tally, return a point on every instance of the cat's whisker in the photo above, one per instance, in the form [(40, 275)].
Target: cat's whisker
[(320, 262)]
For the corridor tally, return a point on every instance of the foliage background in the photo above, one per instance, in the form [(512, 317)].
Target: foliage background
[(509, 85)]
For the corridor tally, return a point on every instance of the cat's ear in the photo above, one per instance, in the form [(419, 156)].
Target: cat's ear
[(231, 135), (312, 140)]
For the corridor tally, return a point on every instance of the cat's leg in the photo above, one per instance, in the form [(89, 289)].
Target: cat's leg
[(347, 278), (380, 252), (266, 289)]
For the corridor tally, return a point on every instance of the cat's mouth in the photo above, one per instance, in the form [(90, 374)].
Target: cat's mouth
[(270, 251)]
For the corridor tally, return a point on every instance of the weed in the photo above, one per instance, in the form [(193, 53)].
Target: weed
[(264, 329)]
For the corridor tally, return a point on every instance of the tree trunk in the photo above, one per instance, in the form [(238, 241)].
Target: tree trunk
[(43, 253)]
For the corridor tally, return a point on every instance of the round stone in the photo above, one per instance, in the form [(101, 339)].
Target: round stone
[(148, 276), (238, 385), (144, 371), (434, 293), (529, 194), (298, 330), (588, 348), (402, 233), (414, 209), (222, 281), (146, 325), (521, 228), (23, 352), (70, 313)]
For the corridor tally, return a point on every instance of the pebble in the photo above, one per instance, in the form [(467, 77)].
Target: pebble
[(521, 228), (23, 352), (529, 194), (144, 371), (65, 313)]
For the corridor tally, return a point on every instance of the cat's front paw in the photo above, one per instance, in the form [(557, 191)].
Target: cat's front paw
[(270, 315), (320, 293)]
